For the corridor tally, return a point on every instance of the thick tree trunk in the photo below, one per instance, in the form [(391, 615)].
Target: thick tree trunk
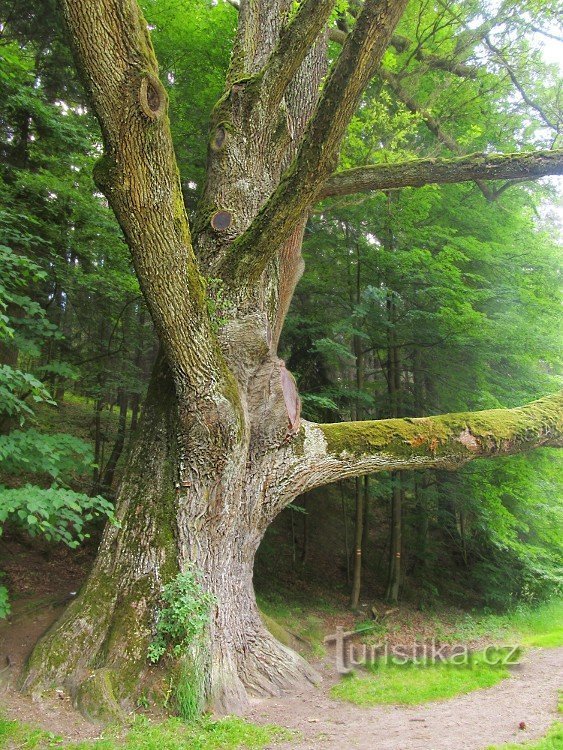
[(98, 650), (221, 448)]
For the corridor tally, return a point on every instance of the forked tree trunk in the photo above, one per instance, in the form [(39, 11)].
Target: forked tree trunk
[(221, 448)]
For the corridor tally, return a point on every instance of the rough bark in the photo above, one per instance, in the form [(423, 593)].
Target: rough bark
[(418, 172), (221, 448), (98, 650), (349, 449), (361, 54)]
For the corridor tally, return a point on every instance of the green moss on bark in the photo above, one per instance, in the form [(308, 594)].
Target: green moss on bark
[(466, 433), (96, 699)]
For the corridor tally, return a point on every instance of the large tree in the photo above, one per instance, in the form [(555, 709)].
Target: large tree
[(222, 449)]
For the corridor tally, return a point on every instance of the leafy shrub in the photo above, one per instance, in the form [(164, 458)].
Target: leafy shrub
[(183, 616), (59, 455), (55, 513)]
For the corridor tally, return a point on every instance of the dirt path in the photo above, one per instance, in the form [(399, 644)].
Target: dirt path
[(469, 722)]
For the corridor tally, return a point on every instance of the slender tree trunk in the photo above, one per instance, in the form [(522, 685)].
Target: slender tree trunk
[(365, 521), (360, 494), (358, 535), (135, 405), (345, 524), (109, 470), (395, 563), (306, 535)]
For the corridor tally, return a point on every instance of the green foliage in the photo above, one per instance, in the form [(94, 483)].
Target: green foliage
[(15, 388), (539, 625), (60, 456), (5, 608), (55, 513), (188, 692), (182, 617)]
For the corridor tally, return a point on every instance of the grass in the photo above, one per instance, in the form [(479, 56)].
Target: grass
[(552, 741), (299, 618), (410, 684), (529, 626), (229, 733)]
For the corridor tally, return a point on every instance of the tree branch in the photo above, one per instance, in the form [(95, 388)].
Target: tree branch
[(294, 43), (139, 175), (401, 44), (520, 166), (431, 123), (315, 160), (331, 452), (518, 86)]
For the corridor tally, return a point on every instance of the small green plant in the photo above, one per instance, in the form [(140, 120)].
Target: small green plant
[(143, 701), (183, 616), (4, 602), (188, 692)]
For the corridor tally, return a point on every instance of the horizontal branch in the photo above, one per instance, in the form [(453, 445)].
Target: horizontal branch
[(331, 452), (418, 172), (430, 121)]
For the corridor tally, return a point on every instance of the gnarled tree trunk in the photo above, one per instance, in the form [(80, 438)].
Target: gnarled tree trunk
[(221, 448)]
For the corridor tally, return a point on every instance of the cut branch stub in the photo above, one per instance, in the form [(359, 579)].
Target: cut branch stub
[(221, 220), (152, 97), (219, 138), (291, 398)]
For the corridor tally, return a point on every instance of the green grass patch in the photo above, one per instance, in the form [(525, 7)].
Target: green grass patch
[(412, 683), (541, 625), (552, 741), (230, 733), (301, 620)]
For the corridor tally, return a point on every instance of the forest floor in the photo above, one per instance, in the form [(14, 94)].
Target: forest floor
[(46, 580), (472, 721)]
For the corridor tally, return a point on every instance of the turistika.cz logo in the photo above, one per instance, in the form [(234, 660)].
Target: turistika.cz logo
[(350, 654)]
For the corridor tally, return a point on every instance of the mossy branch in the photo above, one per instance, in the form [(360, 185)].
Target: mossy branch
[(418, 172), (139, 176), (331, 452)]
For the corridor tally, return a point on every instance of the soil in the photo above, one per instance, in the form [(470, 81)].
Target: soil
[(469, 722), (46, 582), (44, 578)]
